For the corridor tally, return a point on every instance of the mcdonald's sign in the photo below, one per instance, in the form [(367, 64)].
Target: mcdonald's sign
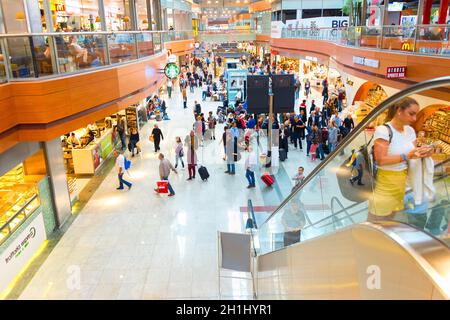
[(406, 46), (60, 7)]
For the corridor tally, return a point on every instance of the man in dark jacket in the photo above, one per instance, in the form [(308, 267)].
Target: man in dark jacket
[(299, 126), (157, 136), (284, 134)]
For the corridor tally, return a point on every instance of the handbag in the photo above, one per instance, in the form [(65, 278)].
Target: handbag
[(151, 138), (162, 186)]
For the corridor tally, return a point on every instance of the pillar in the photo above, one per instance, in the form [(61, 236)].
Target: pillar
[(427, 11), (443, 8), (58, 179)]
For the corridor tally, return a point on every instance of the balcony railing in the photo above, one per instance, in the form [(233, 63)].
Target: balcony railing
[(39, 55), (421, 39)]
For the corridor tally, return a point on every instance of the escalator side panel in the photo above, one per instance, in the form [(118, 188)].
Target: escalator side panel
[(345, 265), (313, 272)]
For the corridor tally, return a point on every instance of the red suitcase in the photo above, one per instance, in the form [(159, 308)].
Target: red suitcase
[(267, 179)]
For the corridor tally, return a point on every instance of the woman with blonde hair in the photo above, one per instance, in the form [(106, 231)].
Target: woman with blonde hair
[(394, 145)]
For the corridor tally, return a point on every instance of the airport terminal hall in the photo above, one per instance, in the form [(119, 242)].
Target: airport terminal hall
[(253, 150)]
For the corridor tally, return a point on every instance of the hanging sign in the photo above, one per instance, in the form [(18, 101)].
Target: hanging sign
[(171, 70), (395, 72)]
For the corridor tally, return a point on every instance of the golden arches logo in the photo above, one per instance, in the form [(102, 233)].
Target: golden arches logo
[(406, 46)]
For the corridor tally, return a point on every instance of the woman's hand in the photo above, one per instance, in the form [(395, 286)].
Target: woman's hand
[(419, 152)]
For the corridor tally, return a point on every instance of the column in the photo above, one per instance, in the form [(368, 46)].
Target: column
[(427, 11), (58, 179), (443, 8)]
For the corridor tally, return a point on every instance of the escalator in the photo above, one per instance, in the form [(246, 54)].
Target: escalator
[(342, 251)]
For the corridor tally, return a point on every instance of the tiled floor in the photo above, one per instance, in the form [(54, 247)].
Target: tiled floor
[(139, 245)]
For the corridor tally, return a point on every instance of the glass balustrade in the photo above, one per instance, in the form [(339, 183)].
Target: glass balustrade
[(432, 39), (42, 55)]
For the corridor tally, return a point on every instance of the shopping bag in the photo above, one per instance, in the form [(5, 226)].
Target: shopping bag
[(162, 186)]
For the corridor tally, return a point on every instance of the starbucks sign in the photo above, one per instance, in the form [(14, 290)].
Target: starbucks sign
[(171, 70)]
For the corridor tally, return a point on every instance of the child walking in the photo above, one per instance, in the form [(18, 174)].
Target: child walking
[(179, 152)]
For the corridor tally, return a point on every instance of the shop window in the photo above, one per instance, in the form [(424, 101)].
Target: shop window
[(142, 15), (19, 196), (311, 13), (332, 12), (14, 16), (74, 15), (118, 16), (289, 15)]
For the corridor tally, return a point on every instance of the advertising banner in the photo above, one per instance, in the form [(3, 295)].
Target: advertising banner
[(319, 22), (276, 29), (20, 251)]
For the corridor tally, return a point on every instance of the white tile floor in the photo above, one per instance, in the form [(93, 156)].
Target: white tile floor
[(139, 245)]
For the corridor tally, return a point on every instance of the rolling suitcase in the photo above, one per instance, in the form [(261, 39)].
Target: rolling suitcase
[(267, 179), (203, 172), (283, 154)]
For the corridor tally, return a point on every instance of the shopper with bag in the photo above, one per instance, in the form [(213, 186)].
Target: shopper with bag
[(394, 145), (121, 168), (164, 171)]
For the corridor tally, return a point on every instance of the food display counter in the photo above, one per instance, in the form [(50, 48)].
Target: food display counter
[(86, 160), (19, 198)]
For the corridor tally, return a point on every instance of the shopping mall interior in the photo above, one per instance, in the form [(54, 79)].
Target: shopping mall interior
[(232, 149)]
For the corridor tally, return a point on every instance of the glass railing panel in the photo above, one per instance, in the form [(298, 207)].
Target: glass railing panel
[(22, 61), (157, 37), (144, 44), (328, 202), (3, 77), (122, 47), (398, 38), (433, 40), (79, 52)]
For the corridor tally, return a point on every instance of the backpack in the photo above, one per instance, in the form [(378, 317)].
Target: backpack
[(370, 156)]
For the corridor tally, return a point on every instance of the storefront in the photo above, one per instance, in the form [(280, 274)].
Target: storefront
[(368, 96), (26, 216), (86, 152), (72, 15), (433, 128)]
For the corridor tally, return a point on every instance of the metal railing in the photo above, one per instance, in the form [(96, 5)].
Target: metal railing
[(421, 39), (38, 55)]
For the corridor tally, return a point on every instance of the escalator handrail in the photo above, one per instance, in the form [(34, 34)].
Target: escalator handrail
[(418, 87)]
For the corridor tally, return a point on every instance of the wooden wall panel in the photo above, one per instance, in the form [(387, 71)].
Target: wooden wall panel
[(182, 46), (419, 67)]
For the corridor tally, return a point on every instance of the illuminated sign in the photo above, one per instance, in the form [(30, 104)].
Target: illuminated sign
[(366, 62), (60, 7), (395, 72), (171, 70), (406, 46)]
